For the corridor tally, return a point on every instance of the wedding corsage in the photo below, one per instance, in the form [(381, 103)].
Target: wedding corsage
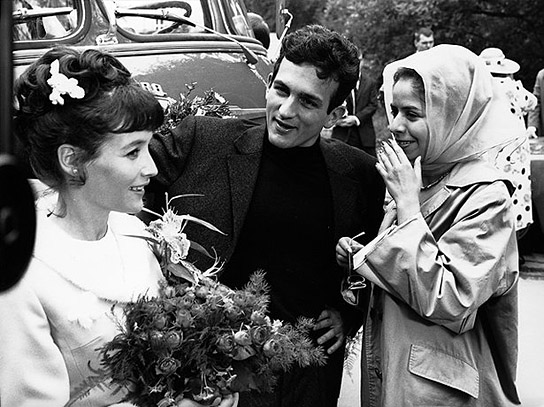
[(198, 338), (62, 85)]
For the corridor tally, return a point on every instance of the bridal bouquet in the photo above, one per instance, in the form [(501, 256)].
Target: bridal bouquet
[(198, 338)]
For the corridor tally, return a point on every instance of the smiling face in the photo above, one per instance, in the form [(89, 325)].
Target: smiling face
[(117, 177), (409, 125), (296, 106)]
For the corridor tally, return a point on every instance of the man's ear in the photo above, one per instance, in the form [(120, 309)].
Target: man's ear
[(68, 156), (336, 114), (269, 80), (268, 84)]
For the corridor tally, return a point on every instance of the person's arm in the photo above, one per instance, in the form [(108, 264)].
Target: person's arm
[(446, 280), (169, 152), (32, 369), (363, 111), (534, 116)]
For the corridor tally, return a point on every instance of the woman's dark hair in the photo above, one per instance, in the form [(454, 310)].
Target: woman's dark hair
[(333, 55), (414, 77), (113, 103)]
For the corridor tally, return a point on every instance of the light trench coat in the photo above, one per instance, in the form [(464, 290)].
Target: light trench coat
[(442, 329)]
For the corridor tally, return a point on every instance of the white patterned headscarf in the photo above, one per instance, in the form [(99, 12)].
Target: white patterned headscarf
[(465, 114)]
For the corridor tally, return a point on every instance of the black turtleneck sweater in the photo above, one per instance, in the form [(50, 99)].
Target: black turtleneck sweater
[(288, 233)]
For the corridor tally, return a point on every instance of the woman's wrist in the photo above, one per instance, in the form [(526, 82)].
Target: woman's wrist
[(406, 211)]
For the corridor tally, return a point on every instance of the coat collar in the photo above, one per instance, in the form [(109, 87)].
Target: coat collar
[(251, 141), (462, 175)]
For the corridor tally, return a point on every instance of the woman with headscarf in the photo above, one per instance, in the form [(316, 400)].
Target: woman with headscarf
[(442, 323)]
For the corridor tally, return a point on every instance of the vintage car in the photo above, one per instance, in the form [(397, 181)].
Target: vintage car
[(167, 45)]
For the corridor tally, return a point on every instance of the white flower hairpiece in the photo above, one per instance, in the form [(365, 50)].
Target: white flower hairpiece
[(63, 85)]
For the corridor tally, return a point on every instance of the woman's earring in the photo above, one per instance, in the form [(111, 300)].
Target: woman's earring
[(74, 171)]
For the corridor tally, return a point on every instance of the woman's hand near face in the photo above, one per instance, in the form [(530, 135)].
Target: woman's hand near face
[(402, 180)]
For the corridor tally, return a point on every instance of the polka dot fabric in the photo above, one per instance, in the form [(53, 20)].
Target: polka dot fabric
[(515, 159)]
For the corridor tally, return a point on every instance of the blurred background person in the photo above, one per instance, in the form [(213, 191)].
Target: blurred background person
[(356, 127), (423, 39), (514, 158), (535, 119)]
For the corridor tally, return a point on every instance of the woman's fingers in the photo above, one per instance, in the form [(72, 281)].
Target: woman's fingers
[(343, 250), (392, 156), (417, 171), (381, 169), (401, 155)]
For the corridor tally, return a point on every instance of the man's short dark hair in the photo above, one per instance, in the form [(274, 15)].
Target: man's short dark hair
[(426, 31), (333, 56)]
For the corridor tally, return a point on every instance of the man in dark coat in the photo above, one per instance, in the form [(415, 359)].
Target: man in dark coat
[(356, 127), (283, 196)]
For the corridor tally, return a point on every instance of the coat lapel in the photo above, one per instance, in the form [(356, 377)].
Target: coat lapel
[(243, 168), (342, 187)]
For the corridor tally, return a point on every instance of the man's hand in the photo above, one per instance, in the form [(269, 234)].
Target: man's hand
[(230, 400), (331, 320), (347, 121)]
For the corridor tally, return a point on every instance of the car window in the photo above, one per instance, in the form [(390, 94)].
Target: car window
[(43, 19), (191, 9), (238, 16)]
